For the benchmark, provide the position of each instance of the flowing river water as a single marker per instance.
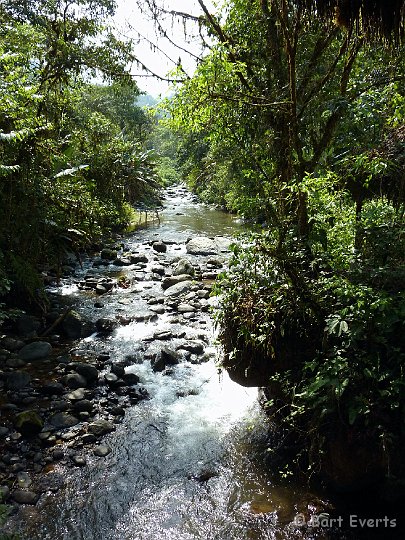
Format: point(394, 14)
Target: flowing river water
point(186, 463)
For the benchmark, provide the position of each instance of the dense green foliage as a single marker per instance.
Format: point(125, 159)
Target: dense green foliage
point(72, 153)
point(298, 125)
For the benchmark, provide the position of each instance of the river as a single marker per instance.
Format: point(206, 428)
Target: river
point(188, 462)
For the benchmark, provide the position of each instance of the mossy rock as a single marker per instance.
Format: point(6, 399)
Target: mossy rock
point(28, 423)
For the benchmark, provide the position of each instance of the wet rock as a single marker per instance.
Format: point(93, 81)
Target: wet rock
point(130, 378)
point(100, 427)
point(88, 371)
point(165, 357)
point(108, 254)
point(75, 380)
point(102, 450)
point(159, 246)
point(183, 267)
point(179, 289)
point(89, 438)
point(174, 280)
point(75, 326)
point(17, 380)
point(35, 351)
point(63, 420)
point(84, 405)
point(196, 347)
point(22, 496)
point(118, 370)
point(122, 261)
point(3, 431)
point(77, 394)
point(28, 423)
point(111, 379)
point(79, 461)
point(137, 258)
point(106, 326)
point(52, 389)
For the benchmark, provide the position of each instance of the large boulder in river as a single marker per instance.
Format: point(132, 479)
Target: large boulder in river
point(35, 351)
point(183, 267)
point(201, 245)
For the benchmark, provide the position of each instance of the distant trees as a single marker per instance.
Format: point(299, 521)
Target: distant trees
point(71, 152)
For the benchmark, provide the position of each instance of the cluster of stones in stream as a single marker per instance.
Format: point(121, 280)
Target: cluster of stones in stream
point(60, 418)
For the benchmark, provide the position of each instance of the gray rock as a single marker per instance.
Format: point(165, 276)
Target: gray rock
point(136, 258)
point(173, 280)
point(3, 431)
point(88, 371)
point(22, 496)
point(179, 289)
point(35, 350)
point(75, 380)
point(17, 380)
point(202, 245)
point(111, 379)
point(77, 394)
point(159, 246)
point(100, 427)
point(183, 267)
point(63, 420)
point(185, 308)
point(78, 460)
point(102, 450)
point(28, 423)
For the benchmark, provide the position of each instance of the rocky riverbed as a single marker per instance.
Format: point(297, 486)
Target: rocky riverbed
point(64, 385)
